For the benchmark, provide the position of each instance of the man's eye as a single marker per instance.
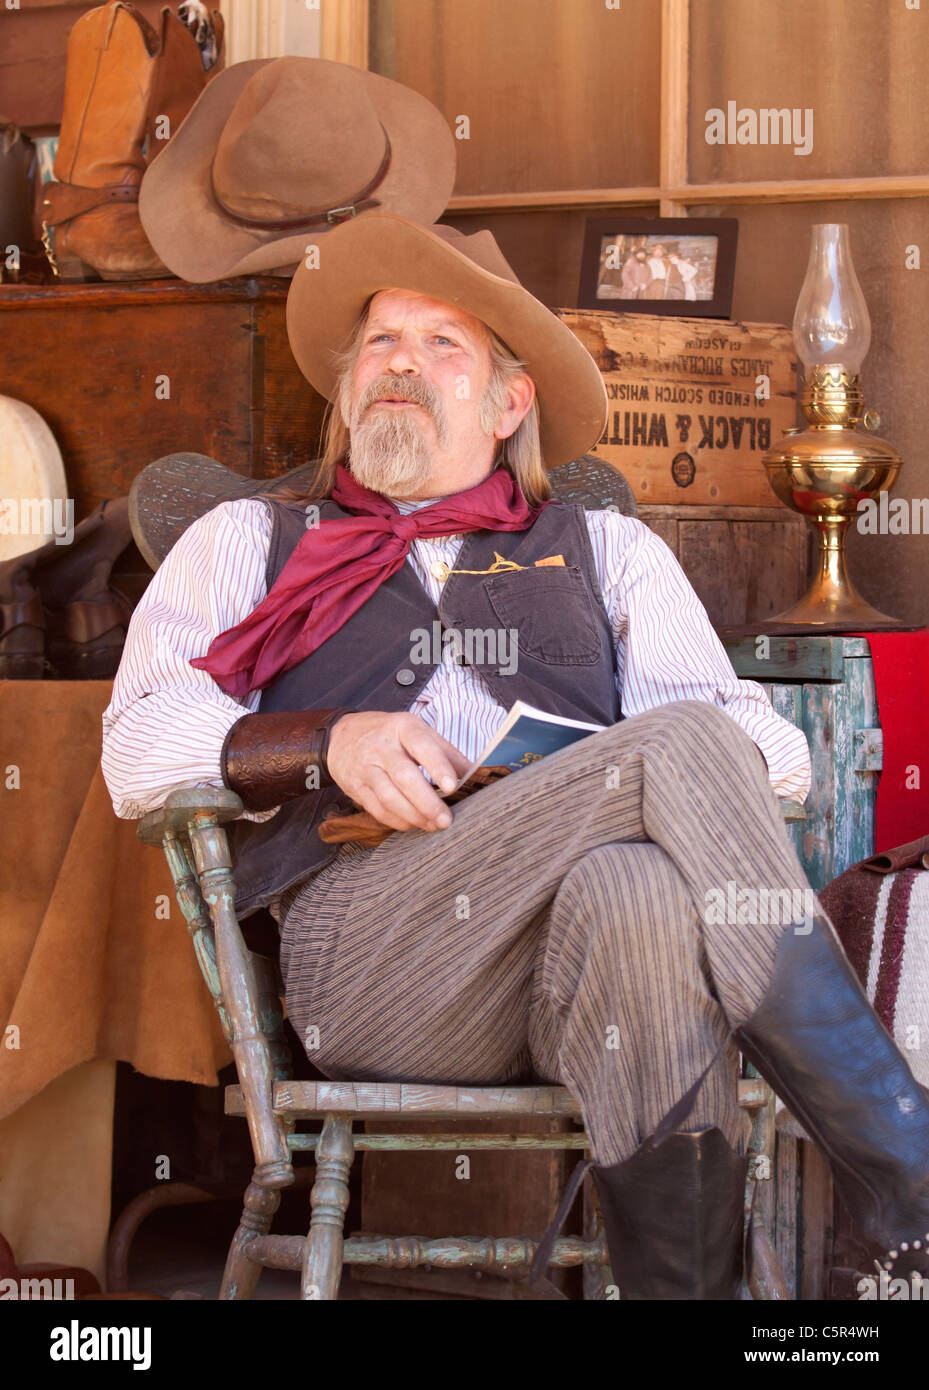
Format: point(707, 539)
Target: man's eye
point(442, 339)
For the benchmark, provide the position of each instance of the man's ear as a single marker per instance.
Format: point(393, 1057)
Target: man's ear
point(520, 395)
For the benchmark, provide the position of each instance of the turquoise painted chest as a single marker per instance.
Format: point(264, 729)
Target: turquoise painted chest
point(824, 685)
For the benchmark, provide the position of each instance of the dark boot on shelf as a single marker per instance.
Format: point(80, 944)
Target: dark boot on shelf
point(61, 615)
point(817, 1041)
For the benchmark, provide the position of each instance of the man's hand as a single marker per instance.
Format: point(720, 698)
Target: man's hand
point(374, 757)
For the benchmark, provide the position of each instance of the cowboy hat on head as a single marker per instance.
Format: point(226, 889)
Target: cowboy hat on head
point(381, 251)
point(276, 152)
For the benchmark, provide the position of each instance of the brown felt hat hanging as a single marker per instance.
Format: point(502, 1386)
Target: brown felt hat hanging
point(275, 152)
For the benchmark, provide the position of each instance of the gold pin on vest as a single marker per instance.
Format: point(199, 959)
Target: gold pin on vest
point(441, 571)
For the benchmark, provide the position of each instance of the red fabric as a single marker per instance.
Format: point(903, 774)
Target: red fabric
point(336, 567)
point(901, 677)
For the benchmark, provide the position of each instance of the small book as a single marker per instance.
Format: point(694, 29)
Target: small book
point(525, 735)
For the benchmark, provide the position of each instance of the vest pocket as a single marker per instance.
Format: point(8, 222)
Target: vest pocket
point(550, 609)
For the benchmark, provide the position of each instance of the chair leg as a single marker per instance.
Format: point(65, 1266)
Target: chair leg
point(767, 1281)
point(597, 1280)
point(241, 1274)
point(322, 1263)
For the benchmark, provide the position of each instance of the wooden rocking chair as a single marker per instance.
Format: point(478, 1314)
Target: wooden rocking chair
point(247, 991)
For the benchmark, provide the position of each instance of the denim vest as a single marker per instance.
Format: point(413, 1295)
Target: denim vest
point(565, 661)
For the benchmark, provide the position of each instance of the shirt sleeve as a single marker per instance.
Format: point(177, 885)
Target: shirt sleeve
point(166, 722)
point(666, 648)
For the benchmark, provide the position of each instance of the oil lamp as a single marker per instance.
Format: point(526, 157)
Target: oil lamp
point(825, 470)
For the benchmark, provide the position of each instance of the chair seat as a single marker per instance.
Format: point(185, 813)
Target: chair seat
point(411, 1100)
point(308, 1100)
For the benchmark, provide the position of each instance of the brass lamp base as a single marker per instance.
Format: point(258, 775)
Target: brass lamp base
point(823, 473)
point(854, 616)
point(832, 602)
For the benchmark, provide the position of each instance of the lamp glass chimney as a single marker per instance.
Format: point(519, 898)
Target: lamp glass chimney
point(832, 326)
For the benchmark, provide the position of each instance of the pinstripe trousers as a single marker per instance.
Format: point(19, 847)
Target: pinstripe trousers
point(558, 930)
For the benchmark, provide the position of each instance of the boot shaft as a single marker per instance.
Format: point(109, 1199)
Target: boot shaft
point(817, 1041)
point(110, 75)
point(179, 78)
point(122, 76)
point(675, 1218)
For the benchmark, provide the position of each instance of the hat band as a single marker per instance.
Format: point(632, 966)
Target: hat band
point(319, 216)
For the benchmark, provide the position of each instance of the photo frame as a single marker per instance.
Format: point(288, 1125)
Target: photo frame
point(659, 265)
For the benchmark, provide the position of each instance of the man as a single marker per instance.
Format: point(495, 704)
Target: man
point(555, 924)
point(681, 276)
point(658, 269)
point(635, 275)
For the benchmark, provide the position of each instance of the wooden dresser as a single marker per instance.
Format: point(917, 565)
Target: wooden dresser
point(124, 373)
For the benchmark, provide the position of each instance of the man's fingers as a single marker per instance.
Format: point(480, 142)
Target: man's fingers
point(403, 804)
point(444, 763)
point(406, 776)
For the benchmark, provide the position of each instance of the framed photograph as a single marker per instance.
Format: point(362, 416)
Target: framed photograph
point(659, 265)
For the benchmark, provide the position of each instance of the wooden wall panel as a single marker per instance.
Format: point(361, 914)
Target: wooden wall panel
point(544, 248)
point(560, 93)
point(268, 28)
point(892, 572)
point(859, 64)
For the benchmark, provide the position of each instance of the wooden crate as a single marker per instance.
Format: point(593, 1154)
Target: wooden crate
point(745, 563)
point(88, 358)
point(508, 1193)
point(686, 424)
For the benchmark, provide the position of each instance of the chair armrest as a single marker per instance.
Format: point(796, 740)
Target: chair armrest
point(244, 988)
point(184, 802)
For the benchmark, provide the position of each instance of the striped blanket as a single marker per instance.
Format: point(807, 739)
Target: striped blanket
point(880, 909)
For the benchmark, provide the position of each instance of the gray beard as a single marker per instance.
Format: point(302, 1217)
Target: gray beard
point(389, 455)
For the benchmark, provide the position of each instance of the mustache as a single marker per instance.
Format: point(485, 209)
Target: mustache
point(413, 389)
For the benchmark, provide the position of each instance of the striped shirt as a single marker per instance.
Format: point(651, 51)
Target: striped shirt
point(166, 721)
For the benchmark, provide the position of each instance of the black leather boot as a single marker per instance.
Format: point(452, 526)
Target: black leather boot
point(817, 1041)
point(674, 1215)
point(674, 1218)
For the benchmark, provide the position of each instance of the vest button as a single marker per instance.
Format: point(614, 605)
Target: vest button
point(406, 677)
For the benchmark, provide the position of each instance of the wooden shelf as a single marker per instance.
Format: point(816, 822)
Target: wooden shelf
point(554, 200)
point(104, 294)
point(773, 191)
